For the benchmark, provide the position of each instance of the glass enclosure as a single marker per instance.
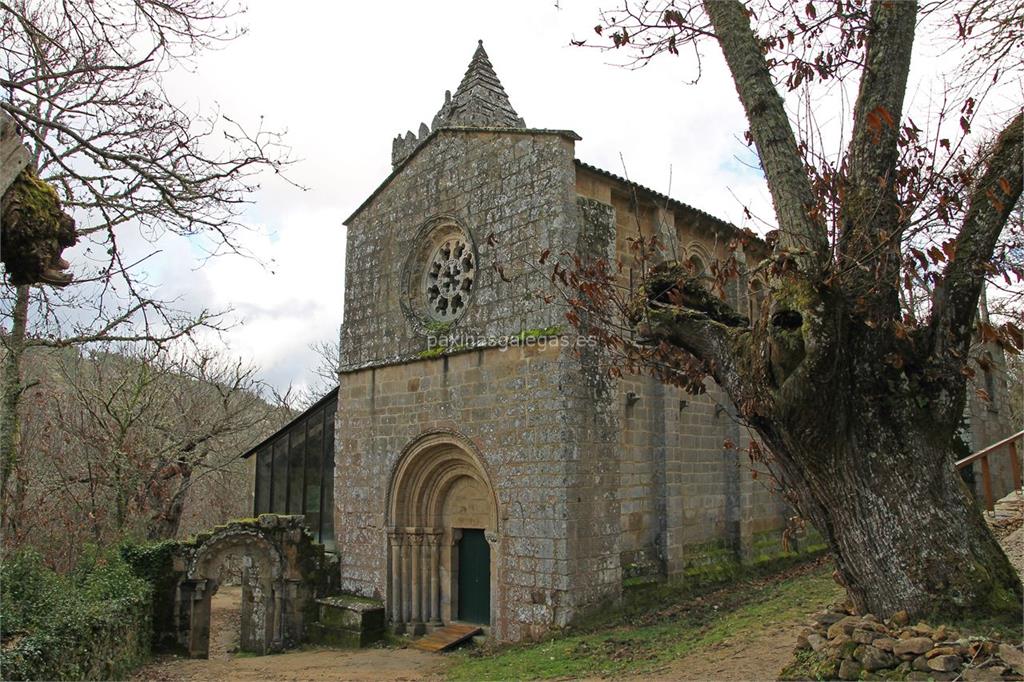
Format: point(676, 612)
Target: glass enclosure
point(295, 470)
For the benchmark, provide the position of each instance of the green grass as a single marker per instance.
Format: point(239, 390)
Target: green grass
point(644, 636)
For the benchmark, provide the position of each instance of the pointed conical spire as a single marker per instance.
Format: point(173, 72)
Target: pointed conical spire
point(480, 99)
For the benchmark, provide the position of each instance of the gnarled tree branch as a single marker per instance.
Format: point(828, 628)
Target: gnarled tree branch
point(803, 237)
point(956, 298)
point(871, 212)
point(675, 308)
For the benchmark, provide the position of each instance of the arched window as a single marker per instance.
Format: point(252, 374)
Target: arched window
point(697, 266)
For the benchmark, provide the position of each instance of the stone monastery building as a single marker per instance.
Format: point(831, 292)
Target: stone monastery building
point(512, 487)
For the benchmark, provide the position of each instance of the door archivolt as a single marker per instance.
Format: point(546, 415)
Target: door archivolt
point(439, 487)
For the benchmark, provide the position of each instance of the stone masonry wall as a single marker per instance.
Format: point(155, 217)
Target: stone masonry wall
point(512, 191)
point(685, 499)
point(510, 406)
point(540, 418)
point(988, 420)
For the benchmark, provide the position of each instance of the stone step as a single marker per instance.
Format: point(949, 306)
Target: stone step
point(342, 638)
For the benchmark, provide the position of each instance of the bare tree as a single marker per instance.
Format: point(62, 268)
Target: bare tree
point(858, 396)
point(123, 435)
point(83, 80)
point(325, 372)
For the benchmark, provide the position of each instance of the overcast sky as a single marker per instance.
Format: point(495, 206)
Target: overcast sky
point(345, 78)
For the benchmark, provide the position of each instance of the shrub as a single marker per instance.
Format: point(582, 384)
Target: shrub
point(93, 623)
point(154, 563)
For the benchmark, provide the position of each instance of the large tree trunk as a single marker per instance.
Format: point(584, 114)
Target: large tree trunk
point(166, 524)
point(877, 479)
point(860, 412)
point(862, 425)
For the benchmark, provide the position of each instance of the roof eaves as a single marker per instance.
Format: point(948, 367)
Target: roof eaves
point(322, 401)
point(662, 197)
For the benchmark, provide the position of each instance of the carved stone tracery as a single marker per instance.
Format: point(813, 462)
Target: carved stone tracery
point(449, 277)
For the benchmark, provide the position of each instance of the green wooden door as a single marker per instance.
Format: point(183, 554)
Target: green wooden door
point(474, 578)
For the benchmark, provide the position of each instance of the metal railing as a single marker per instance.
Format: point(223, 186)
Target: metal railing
point(986, 475)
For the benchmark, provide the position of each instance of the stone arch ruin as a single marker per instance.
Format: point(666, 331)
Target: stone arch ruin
point(281, 574)
point(440, 497)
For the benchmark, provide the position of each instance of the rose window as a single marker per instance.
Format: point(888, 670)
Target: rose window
point(449, 277)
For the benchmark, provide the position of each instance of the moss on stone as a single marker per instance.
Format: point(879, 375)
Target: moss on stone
point(808, 665)
point(351, 600)
point(542, 333)
point(154, 563)
point(438, 328)
point(35, 230)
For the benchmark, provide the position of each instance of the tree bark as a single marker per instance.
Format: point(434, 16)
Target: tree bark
point(10, 433)
point(858, 442)
point(877, 478)
point(871, 223)
point(997, 192)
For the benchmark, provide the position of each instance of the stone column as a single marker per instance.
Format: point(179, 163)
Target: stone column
point(417, 579)
point(434, 598)
point(396, 607)
point(493, 545)
point(199, 621)
point(406, 560)
point(452, 592)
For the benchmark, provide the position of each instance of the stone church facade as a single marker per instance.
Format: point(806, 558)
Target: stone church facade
point(514, 485)
point(571, 480)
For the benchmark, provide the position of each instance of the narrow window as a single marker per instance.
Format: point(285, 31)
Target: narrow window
point(314, 464)
point(279, 498)
point(296, 467)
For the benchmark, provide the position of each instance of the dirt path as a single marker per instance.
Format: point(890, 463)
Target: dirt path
point(225, 621)
point(305, 664)
point(751, 656)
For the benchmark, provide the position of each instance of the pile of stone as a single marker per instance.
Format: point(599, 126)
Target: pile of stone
point(864, 647)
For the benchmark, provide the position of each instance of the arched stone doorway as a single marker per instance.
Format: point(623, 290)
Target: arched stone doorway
point(280, 573)
point(261, 573)
point(443, 531)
